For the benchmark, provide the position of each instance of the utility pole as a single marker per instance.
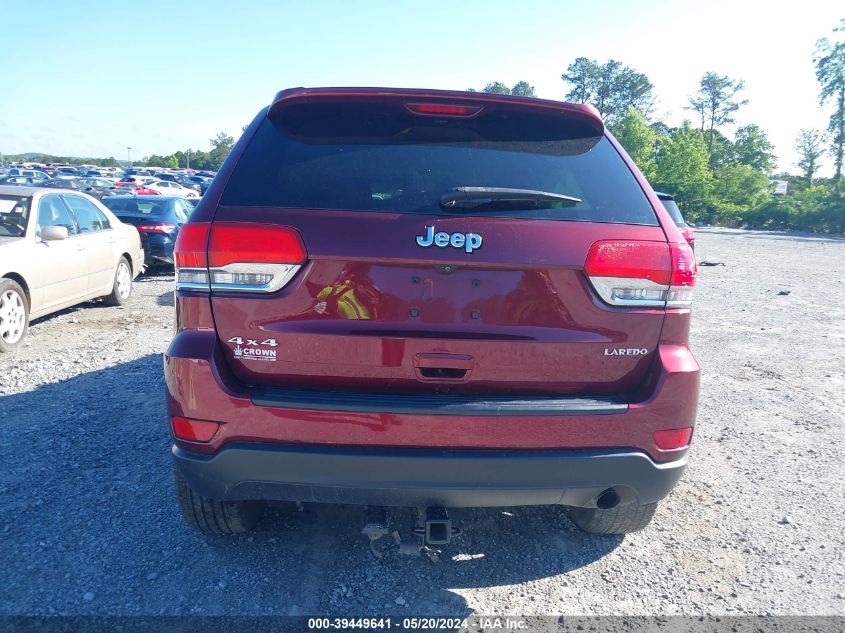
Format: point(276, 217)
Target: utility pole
point(188, 166)
point(129, 156)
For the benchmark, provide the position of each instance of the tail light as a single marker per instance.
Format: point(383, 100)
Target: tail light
point(161, 227)
point(237, 256)
point(689, 235)
point(642, 274)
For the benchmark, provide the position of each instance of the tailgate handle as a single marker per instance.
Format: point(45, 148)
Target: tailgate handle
point(443, 367)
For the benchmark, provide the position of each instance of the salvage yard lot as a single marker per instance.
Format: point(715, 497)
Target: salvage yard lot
point(89, 525)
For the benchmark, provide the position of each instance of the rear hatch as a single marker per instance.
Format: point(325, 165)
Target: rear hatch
point(150, 215)
point(412, 283)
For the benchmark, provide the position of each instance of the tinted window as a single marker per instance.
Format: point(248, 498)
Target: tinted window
point(53, 212)
point(89, 218)
point(363, 158)
point(14, 213)
point(182, 210)
point(131, 206)
point(674, 211)
point(61, 184)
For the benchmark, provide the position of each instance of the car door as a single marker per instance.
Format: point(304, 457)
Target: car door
point(98, 239)
point(60, 274)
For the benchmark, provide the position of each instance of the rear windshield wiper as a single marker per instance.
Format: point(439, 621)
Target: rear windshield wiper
point(498, 197)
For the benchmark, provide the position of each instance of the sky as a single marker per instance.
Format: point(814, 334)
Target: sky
point(91, 78)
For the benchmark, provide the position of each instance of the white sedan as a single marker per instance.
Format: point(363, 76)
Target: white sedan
point(59, 248)
point(167, 188)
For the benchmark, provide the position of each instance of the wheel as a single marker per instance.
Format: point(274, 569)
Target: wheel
point(122, 286)
point(619, 520)
point(210, 516)
point(14, 315)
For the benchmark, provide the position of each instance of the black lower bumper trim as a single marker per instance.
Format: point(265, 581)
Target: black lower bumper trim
point(423, 477)
point(435, 404)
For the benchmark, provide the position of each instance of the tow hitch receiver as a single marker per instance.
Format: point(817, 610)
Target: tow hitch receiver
point(431, 527)
point(438, 527)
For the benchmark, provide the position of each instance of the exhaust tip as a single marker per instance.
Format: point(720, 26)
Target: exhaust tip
point(608, 499)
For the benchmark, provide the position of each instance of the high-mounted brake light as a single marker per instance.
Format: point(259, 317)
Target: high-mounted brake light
point(241, 257)
point(443, 109)
point(637, 273)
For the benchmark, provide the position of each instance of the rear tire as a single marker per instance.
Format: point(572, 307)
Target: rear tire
point(122, 285)
point(210, 516)
point(14, 315)
point(619, 520)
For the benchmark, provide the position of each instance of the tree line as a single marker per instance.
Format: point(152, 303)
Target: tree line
point(211, 160)
point(718, 178)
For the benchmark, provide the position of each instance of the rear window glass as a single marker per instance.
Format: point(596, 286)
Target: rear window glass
point(674, 211)
point(14, 213)
point(370, 158)
point(134, 206)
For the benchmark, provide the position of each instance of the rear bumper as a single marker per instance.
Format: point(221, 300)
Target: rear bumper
point(423, 477)
point(159, 251)
point(200, 386)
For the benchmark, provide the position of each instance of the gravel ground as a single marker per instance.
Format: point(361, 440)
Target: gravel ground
point(88, 523)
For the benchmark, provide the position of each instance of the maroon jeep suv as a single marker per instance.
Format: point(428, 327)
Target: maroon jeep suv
point(430, 299)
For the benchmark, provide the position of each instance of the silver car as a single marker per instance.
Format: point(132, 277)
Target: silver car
point(59, 248)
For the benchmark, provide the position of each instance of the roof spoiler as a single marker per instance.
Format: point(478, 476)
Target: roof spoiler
point(583, 112)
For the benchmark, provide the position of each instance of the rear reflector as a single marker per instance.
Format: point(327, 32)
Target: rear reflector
point(193, 430)
point(443, 109)
point(637, 273)
point(672, 438)
point(242, 257)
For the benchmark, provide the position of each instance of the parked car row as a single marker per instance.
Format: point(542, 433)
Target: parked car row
point(71, 238)
point(103, 186)
point(59, 248)
point(160, 187)
point(180, 180)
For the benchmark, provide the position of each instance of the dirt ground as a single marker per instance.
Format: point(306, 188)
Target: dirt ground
point(88, 523)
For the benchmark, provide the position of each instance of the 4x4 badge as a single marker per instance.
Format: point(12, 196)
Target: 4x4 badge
point(467, 241)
